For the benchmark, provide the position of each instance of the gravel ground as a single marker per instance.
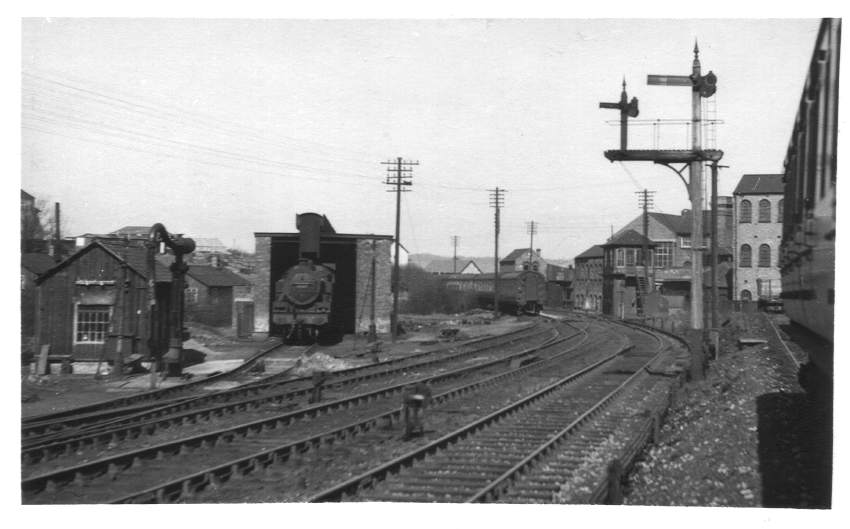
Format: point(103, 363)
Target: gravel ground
point(746, 436)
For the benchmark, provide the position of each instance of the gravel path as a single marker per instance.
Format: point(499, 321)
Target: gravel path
point(745, 436)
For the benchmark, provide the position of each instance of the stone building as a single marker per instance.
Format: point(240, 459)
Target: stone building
point(758, 203)
point(351, 256)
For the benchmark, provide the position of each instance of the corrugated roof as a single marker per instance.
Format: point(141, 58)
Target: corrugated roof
point(37, 263)
point(216, 277)
point(592, 252)
point(760, 184)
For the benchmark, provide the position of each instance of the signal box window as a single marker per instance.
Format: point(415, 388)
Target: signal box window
point(92, 323)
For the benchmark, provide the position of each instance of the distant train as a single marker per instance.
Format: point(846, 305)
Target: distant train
point(303, 295)
point(519, 292)
point(807, 253)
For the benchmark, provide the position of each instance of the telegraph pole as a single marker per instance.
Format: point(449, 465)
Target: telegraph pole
point(373, 329)
point(531, 229)
point(645, 202)
point(455, 239)
point(497, 201)
point(399, 173)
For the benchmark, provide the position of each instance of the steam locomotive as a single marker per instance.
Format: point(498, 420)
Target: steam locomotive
point(807, 253)
point(304, 294)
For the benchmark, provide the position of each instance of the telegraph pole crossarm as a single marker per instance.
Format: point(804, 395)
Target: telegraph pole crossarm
point(403, 172)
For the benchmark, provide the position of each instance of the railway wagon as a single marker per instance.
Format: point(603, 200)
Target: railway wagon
point(519, 292)
point(807, 252)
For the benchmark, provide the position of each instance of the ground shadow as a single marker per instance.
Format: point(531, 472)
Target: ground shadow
point(795, 450)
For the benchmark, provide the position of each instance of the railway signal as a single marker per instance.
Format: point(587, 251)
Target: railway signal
point(701, 86)
point(627, 109)
point(497, 201)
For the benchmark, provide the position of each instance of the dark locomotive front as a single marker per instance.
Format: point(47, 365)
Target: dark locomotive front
point(303, 296)
point(302, 303)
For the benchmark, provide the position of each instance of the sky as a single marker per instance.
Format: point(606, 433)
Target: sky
point(223, 128)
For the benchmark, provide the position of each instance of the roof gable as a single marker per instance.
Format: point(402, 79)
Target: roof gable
point(134, 256)
point(760, 184)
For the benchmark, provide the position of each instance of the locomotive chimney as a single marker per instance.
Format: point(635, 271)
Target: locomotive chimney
point(311, 226)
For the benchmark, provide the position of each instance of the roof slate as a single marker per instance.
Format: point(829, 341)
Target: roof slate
point(760, 184)
point(593, 251)
point(216, 277)
point(629, 238)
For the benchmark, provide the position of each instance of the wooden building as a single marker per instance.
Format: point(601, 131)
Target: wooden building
point(83, 311)
point(211, 293)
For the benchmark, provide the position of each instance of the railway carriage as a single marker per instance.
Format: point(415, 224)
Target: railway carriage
point(807, 253)
point(519, 292)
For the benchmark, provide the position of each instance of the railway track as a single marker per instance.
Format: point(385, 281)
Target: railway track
point(306, 432)
point(484, 461)
point(257, 398)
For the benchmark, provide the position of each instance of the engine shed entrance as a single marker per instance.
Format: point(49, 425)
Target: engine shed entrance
point(351, 256)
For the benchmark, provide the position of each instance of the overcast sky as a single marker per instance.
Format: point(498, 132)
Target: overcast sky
point(221, 128)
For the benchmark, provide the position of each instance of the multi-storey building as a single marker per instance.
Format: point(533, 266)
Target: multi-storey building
point(587, 282)
point(758, 203)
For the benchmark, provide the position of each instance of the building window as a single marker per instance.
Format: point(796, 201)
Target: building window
point(192, 295)
point(746, 211)
point(746, 295)
point(780, 209)
point(92, 323)
point(764, 256)
point(621, 257)
point(664, 255)
point(746, 258)
point(764, 210)
point(685, 241)
point(630, 256)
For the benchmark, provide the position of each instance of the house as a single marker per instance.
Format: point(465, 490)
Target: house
point(523, 259)
point(83, 311)
point(587, 282)
point(471, 268)
point(758, 235)
point(218, 297)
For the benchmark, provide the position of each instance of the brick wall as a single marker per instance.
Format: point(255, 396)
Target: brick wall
point(755, 233)
point(262, 285)
point(383, 285)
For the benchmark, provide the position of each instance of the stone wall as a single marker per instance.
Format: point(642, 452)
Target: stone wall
point(383, 285)
point(262, 285)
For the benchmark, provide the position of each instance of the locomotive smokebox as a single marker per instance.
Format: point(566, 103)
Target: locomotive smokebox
point(310, 227)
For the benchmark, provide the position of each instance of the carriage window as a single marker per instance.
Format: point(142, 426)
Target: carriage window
point(92, 323)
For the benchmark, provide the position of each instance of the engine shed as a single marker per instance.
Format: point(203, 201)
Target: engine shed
point(351, 256)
